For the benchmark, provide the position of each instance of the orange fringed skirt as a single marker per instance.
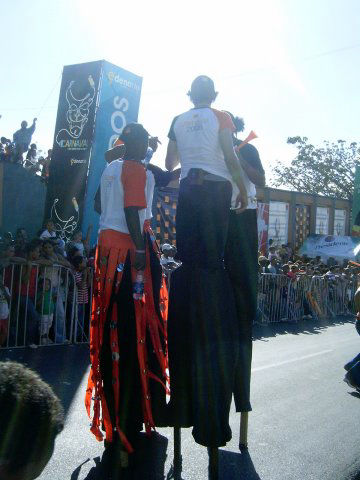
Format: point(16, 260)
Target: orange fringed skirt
point(128, 341)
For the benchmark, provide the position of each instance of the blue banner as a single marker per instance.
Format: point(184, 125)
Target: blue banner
point(119, 101)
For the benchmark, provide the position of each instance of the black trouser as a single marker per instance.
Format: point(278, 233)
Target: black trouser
point(202, 325)
point(241, 263)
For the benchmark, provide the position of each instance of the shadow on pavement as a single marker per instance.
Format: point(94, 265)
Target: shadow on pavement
point(309, 327)
point(236, 466)
point(148, 462)
point(63, 366)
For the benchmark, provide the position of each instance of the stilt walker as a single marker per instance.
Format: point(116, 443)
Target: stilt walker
point(202, 325)
point(127, 381)
point(241, 262)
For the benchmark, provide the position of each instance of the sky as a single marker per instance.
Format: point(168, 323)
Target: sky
point(288, 67)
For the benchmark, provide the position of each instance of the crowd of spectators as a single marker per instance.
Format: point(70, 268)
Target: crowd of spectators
point(292, 287)
point(35, 280)
point(21, 151)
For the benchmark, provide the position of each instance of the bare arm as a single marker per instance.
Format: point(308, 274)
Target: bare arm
point(233, 164)
point(251, 164)
point(133, 224)
point(172, 156)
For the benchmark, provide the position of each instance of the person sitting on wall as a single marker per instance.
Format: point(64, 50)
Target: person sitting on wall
point(31, 417)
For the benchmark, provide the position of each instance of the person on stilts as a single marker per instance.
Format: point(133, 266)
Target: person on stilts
point(241, 261)
point(127, 380)
point(203, 333)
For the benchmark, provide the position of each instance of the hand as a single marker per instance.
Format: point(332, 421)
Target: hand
point(241, 203)
point(140, 261)
point(153, 143)
point(35, 120)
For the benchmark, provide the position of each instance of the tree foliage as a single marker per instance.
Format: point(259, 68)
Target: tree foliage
point(326, 170)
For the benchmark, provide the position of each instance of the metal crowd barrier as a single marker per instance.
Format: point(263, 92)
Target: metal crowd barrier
point(281, 299)
point(45, 309)
point(38, 310)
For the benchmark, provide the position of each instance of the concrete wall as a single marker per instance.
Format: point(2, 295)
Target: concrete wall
point(22, 199)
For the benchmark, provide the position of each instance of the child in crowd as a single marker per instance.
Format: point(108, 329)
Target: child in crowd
point(81, 275)
point(31, 417)
point(81, 245)
point(49, 232)
point(45, 306)
point(4, 313)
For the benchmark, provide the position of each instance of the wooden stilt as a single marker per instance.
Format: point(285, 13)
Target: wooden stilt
point(213, 463)
point(244, 421)
point(177, 454)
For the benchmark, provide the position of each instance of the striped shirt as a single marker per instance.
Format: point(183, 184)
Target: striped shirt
point(82, 288)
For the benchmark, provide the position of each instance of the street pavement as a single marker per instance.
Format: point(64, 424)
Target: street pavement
point(304, 425)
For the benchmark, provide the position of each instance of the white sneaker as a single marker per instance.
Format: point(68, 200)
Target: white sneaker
point(33, 346)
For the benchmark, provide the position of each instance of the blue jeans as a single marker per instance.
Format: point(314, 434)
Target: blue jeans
point(28, 311)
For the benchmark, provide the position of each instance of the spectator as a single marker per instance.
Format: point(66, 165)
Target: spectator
point(7, 253)
point(21, 238)
point(4, 314)
point(22, 139)
point(31, 159)
point(79, 243)
point(46, 166)
point(45, 307)
point(31, 417)
point(263, 263)
point(54, 275)
point(49, 230)
point(273, 267)
point(81, 275)
point(272, 253)
point(28, 292)
point(6, 149)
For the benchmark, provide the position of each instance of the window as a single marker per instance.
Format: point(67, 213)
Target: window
point(322, 221)
point(339, 222)
point(278, 222)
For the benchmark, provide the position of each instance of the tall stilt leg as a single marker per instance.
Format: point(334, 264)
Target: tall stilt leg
point(213, 463)
point(177, 453)
point(244, 421)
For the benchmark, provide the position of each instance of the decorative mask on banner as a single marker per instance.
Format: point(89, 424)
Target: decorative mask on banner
point(65, 228)
point(78, 111)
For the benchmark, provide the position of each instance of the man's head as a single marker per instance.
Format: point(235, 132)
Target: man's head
point(33, 146)
point(31, 416)
point(21, 235)
point(4, 140)
point(285, 269)
point(8, 250)
point(237, 121)
point(33, 249)
point(272, 249)
point(49, 225)
point(136, 141)
point(263, 261)
point(202, 91)
point(273, 262)
point(24, 124)
point(49, 152)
